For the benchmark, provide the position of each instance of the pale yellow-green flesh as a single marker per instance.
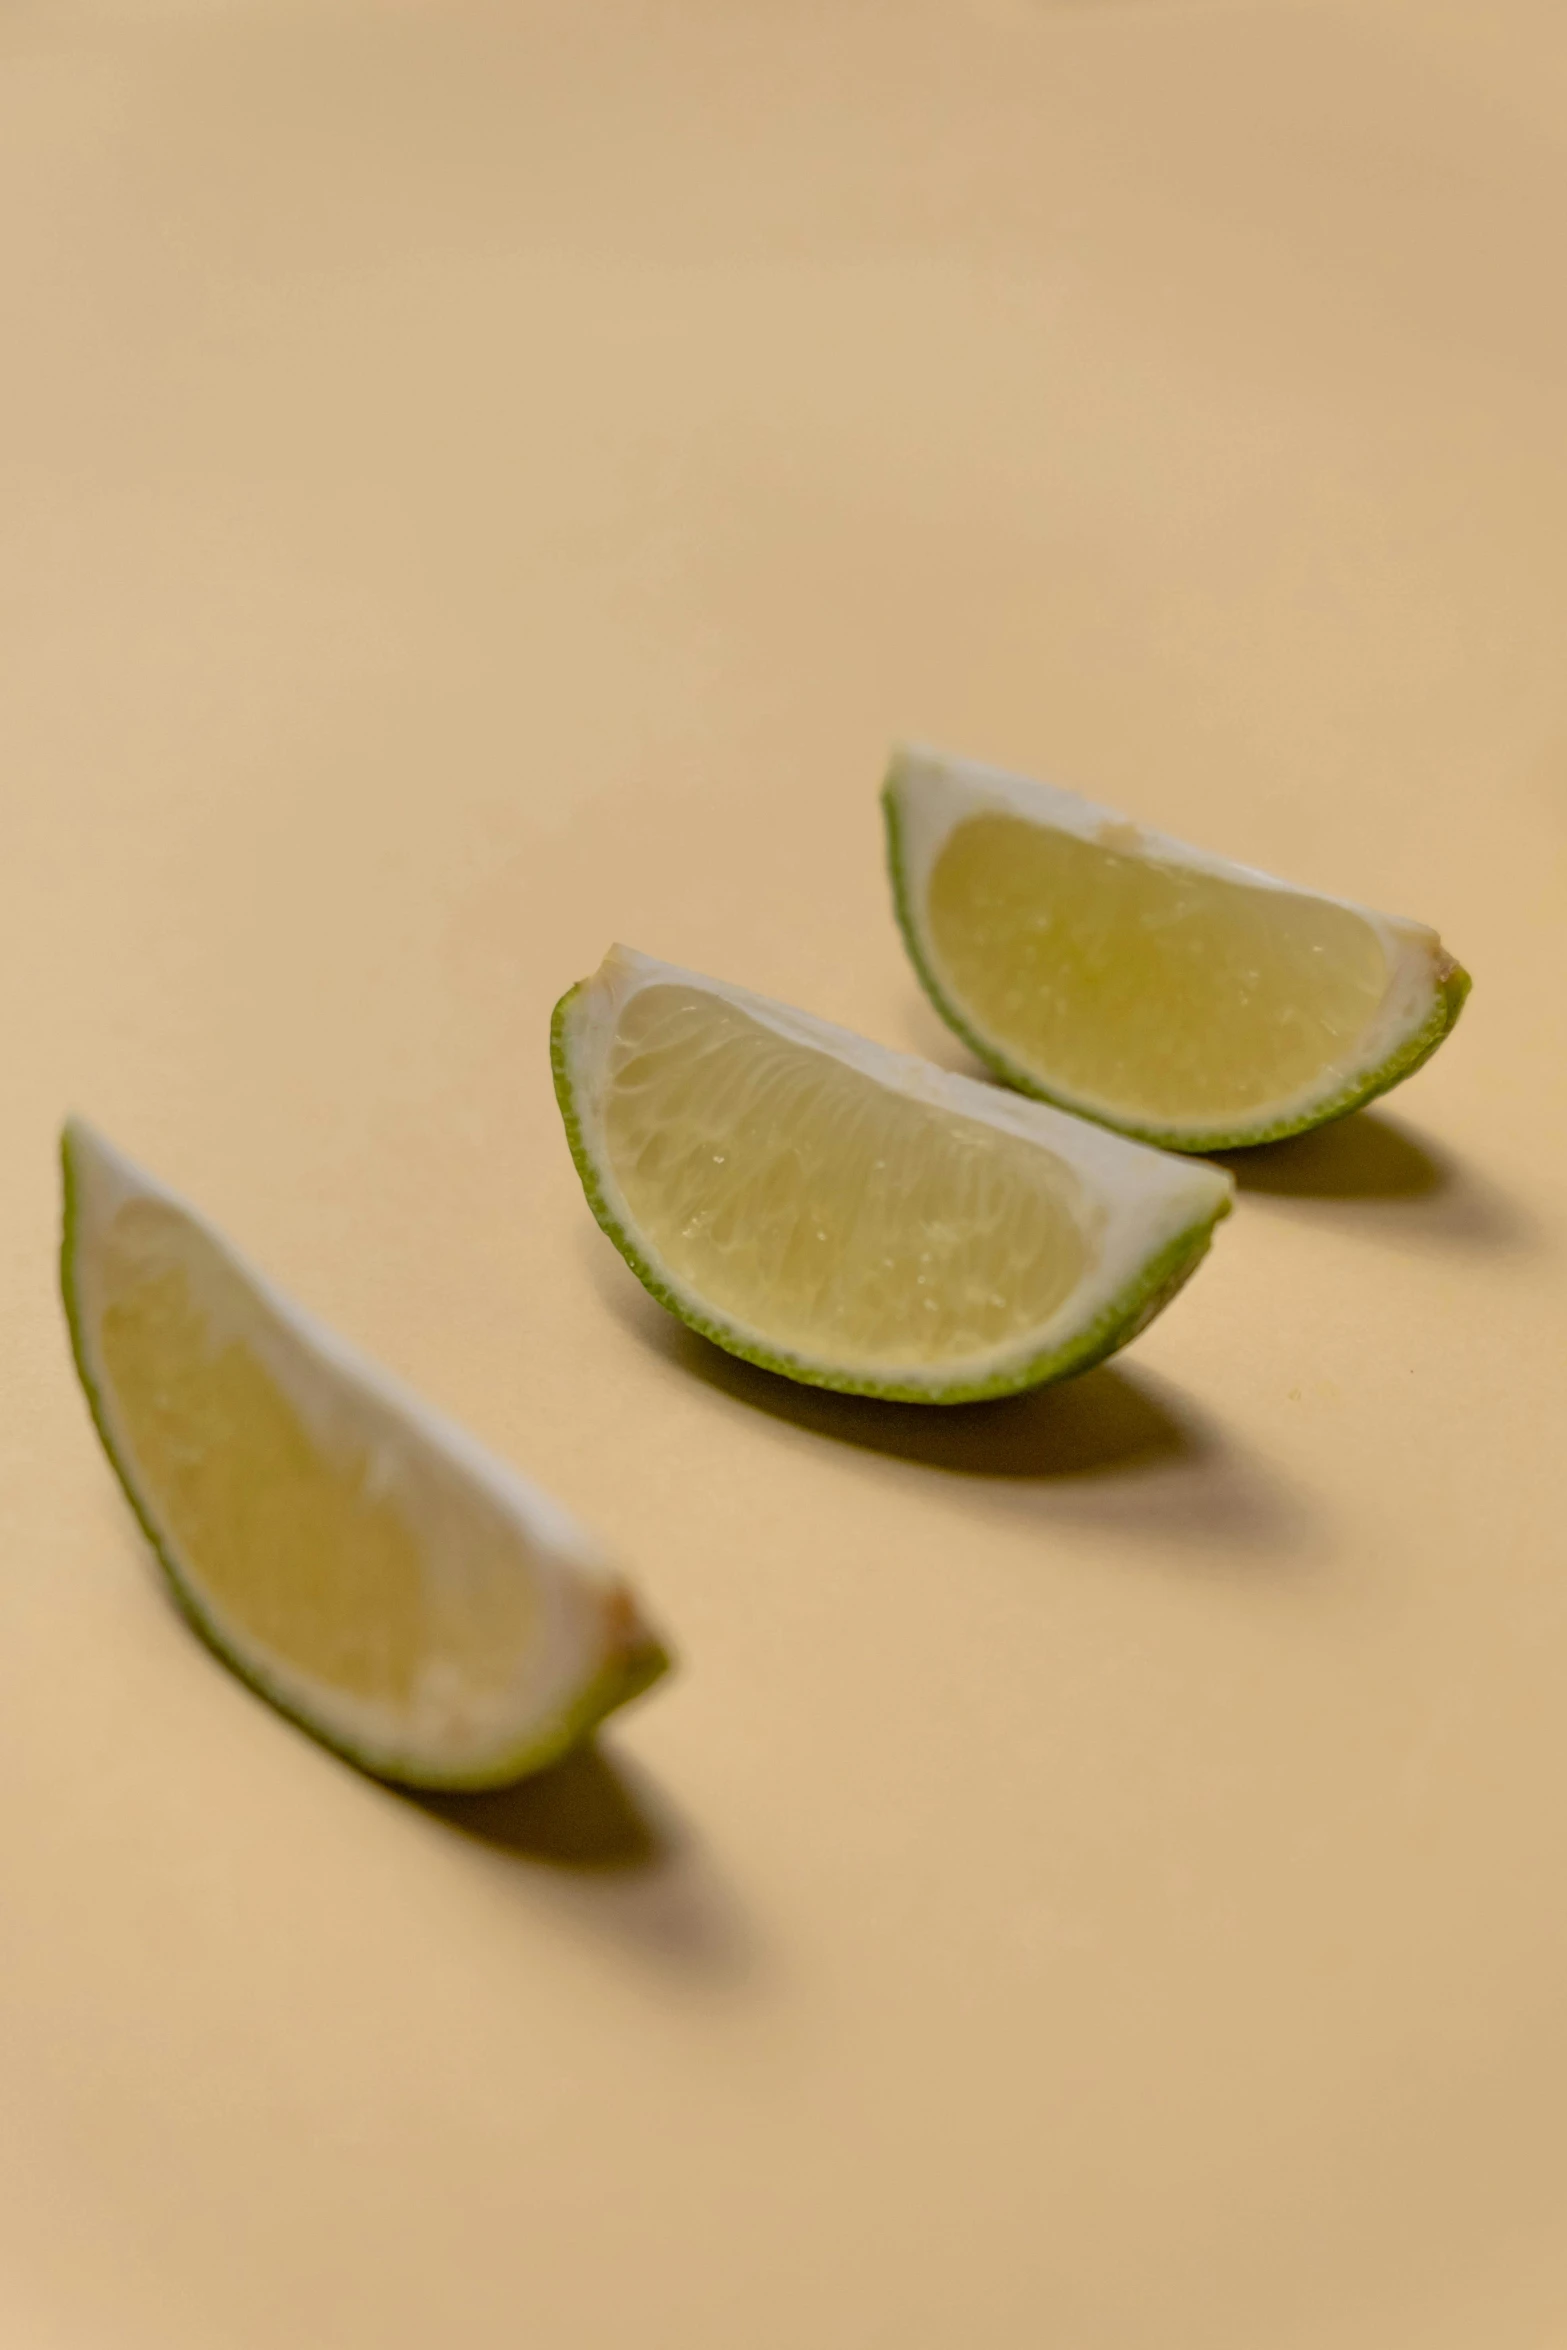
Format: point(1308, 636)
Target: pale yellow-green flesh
point(843, 1222)
point(288, 1535)
point(1154, 991)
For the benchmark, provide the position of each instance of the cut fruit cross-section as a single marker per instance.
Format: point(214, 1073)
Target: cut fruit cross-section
point(1122, 975)
point(853, 1217)
point(362, 1564)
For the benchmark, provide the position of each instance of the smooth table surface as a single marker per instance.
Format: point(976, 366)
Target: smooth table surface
point(477, 482)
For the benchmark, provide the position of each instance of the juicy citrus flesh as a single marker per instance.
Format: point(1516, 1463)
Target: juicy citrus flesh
point(1154, 990)
point(845, 1222)
point(301, 1535)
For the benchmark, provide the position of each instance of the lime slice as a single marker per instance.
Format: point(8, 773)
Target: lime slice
point(364, 1566)
point(1120, 974)
point(853, 1217)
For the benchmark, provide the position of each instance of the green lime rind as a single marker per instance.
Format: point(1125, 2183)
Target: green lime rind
point(623, 1678)
point(1131, 1311)
point(1453, 986)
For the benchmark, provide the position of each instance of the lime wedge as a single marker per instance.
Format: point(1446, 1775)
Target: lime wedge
point(367, 1568)
point(853, 1217)
point(1120, 974)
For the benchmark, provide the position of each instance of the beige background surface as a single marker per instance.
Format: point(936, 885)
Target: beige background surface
point(477, 482)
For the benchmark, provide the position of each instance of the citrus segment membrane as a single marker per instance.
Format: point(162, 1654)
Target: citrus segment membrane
point(795, 1194)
